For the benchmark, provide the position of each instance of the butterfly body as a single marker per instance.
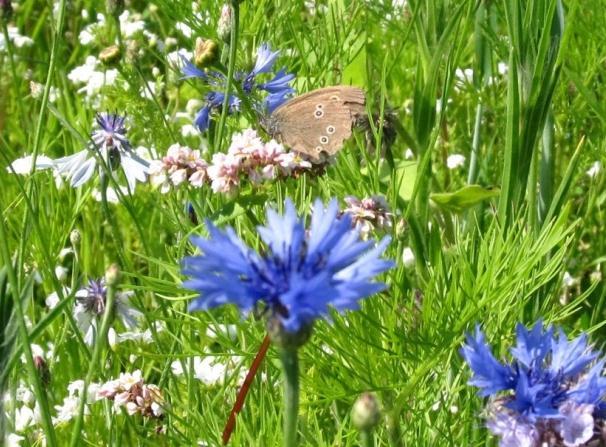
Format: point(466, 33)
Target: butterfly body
point(318, 122)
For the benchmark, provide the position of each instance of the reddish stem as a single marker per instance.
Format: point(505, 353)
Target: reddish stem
point(252, 372)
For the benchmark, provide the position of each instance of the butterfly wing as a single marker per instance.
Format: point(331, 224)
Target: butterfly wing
point(319, 121)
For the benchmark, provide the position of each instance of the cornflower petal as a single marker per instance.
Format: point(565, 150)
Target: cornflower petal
point(265, 59)
point(296, 284)
point(488, 373)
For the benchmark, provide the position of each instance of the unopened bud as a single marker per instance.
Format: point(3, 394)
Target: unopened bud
point(42, 369)
point(61, 273)
point(366, 413)
point(75, 237)
point(225, 23)
point(6, 9)
point(112, 275)
point(114, 7)
point(205, 52)
point(288, 340)
point(110, 55)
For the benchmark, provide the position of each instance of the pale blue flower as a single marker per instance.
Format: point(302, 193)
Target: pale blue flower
point(552, 385)
point(112, 145)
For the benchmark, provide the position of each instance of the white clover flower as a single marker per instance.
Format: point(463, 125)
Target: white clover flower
point(18, 40)
point(24, 418)
point(189, 130)
point(594, 170)
point(455, 161)
point(222, 330)
point(130, 24)
point(68, 410)
point(14, 440)
point(175, 58)
point(408, 257)
point(464, 77)
point(184, 29)
point(92, 79)
point(24, 395)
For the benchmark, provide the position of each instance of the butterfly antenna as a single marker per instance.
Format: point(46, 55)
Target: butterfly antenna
point(252, 372)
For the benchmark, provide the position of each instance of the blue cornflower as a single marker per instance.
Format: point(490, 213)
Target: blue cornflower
point(112, 145)
point(552, 384)
point(278, 88)
point(301, 275)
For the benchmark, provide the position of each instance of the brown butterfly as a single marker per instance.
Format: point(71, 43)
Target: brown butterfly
point(318, 122)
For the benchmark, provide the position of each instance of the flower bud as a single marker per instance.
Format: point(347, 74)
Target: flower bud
point(6, 9)
point(43, 370)
point(110, 55)
point(225, 23)
point(366, 413)
point(61, 273)
point(205, 52)
point(288, 340)
point(112, 275)
point(75, 238)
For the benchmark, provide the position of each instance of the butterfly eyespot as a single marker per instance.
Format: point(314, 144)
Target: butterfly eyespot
point(330, 130)
point(319, 149)
point(334, 98)
point(319, 106)
point(319, 113)
point(324, 139)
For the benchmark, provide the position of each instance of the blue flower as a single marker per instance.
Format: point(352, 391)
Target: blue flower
point(278, 88)
point(303, 273)
point(112, 145)
point(551, 384)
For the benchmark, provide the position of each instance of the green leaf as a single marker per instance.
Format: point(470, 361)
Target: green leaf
point(464, 198)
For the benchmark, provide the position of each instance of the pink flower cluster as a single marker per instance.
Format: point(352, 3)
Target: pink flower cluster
point(247, 159)
point(130, 391)
point(179, 165)
point(368, 214)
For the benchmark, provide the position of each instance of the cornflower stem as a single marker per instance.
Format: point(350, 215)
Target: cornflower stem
point(290, 363)
point(233, 49)
point(93, 366)
point(32, 372)
point(393, 429)
point(366, 438)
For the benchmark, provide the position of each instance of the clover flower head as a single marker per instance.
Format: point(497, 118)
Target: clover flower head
point(369, 213)
point(300, 276)
point(277, 88)
point(552, 385)
point(181, 164)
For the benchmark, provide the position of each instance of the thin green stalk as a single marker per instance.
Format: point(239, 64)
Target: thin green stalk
point(290, 363)
point(93, 367)
point(233, 50)
point(367, 438)
point(11, 57)
point(38, 133)
point(476, 143)
point(33, 374)
point(546, 168)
